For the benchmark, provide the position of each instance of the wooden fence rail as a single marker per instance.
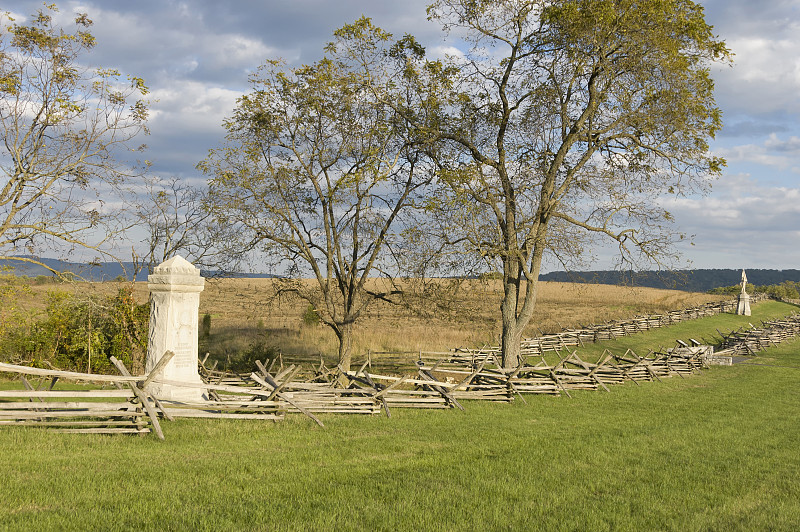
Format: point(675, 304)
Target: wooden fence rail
point(444, 379)
point(127, 409)
point(448, 381)
point(748, 342)
point(571, 338)
point(443, 382)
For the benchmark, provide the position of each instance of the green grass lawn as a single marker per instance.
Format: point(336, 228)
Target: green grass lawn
point(714, 451)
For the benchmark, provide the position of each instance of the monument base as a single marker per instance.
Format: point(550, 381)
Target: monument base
point(743, 308)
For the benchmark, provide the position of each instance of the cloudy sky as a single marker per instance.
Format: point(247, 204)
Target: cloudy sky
point(196, 55)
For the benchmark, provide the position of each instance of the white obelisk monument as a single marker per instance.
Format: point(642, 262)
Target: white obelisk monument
point(743, 308)
point(175, 287)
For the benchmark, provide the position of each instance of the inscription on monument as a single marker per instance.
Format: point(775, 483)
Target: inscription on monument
point(184, 355)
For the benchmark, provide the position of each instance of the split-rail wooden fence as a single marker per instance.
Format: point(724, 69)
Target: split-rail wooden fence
point(126, 408)
point(749, 341)
point(441, 382)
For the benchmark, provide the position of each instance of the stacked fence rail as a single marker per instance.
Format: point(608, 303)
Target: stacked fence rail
point(443, 381)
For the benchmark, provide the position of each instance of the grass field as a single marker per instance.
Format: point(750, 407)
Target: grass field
point(246, 312)
point(714, 451)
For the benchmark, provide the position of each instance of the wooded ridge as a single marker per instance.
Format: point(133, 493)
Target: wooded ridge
point(700, 280)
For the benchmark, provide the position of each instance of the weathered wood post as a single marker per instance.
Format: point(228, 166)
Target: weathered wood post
point(175, 287)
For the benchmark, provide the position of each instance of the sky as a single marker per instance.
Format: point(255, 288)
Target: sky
point(196, 57)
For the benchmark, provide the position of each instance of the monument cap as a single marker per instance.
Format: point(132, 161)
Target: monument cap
point(176, 273)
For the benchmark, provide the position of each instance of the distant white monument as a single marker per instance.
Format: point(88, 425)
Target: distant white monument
point(175, 287)
point(743, 307)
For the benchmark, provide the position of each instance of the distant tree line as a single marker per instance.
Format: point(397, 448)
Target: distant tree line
point(701, 280)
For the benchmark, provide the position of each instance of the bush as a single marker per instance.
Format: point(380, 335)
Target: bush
point(784, 290)
point(205, 326)
point(79, 332)
point(310, 316)
point(726, 290)
point(258, 350)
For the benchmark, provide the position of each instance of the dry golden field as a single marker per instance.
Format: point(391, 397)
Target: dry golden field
point(245, 311)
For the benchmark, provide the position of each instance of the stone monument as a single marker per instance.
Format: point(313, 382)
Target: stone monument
point(175, 287)
point(743, 307)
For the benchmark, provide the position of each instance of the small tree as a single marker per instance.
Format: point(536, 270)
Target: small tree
point(563, 123)
point(63, 127)
point(317, 174)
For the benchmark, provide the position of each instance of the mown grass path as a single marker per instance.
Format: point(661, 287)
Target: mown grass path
point(716, 451)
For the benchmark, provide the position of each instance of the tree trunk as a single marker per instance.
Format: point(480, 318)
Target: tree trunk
point(511, 336)
point(517, 309)
point(345, 335)
point(511, 342)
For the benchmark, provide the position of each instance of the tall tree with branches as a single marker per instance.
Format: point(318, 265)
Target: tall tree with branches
point(561, 124)
point(317, 173)
point(64, 129)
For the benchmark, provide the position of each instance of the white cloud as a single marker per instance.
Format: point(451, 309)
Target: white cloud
point(773, 152)
point(186, 120)
point(231, 49)
point(763, 60)
point(442, 51)
point(791, 146)
point(741, 222)
point(176, 41)
point(17, 17)
point(198, 104)
point(765, 77)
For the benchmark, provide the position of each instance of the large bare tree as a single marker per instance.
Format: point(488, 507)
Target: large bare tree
point(65, 130)
point(317, 173)
point(562, 123)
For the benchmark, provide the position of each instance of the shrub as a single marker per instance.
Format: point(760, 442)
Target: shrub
point(205, 326)
point(79, 332)
point(258, 350)
point(310, 316)
point(726, 290)
point(784, 290)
